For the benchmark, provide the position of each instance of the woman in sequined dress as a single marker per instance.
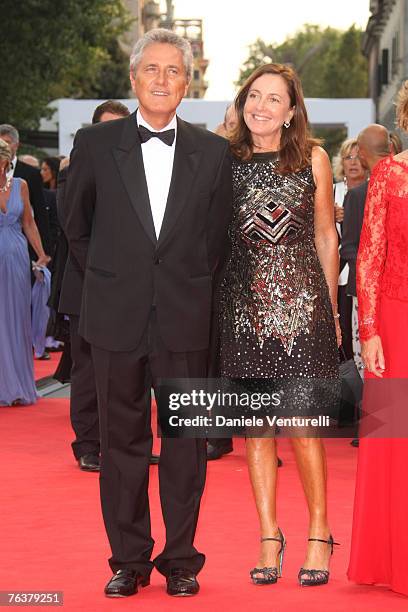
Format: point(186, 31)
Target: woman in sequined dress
point(279, 298)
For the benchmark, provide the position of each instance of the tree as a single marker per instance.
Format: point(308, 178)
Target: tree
point(305, 51)
point(56, 50)
point(113, 81)
point(329, 62)
point(346, 70)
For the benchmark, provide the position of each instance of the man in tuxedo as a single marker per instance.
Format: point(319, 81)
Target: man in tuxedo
point(35, 187)
point(373, 145)
point(83, 400)
point(149, 205)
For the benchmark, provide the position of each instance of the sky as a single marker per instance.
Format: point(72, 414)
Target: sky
point(231, 26)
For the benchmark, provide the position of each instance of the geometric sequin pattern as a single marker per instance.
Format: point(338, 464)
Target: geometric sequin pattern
point(275, 305)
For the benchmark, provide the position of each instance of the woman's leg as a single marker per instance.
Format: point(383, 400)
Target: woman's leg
point(262, 467)
point(311, 461)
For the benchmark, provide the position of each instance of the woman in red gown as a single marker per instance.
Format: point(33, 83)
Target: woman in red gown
point(379, 551)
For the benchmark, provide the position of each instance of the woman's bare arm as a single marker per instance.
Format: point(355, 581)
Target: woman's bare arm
point(30, 227)
point(326, 240)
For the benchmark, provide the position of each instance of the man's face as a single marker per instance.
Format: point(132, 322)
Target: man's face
point(160, 82)
point(231, 119)
point(13, 145)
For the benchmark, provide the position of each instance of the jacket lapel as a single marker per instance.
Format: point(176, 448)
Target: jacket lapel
point(129, 159)
point(185, 166)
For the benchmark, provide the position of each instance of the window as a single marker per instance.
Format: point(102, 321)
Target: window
point(395, 54)
point(196, 76)
point(379, 79)
point(196, 94)
point(385, 68)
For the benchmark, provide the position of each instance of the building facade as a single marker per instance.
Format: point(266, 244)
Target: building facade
point(192, 29)
point(386, 47)
point(146, 15)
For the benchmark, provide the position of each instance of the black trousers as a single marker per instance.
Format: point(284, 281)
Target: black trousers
point(345, 306)
point(124, 381)
point(83, 405)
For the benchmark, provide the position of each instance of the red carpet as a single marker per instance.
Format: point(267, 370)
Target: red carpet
point(52, 536)
point(46, 368)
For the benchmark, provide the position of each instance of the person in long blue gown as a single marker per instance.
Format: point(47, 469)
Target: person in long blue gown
point(17, 384)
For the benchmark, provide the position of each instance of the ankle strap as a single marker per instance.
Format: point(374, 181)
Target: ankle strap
point(329, 541)
point(268, 539)
point(279, 538)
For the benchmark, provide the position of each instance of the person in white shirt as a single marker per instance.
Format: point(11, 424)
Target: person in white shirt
point(148, 202)
point(349, 173)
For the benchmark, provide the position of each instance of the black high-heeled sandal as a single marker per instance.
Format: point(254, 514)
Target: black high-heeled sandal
point(270, 575)
point(316, 577)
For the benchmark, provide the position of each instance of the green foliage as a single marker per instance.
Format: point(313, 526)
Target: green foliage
point(329, 62)
point(57, 48)
point(331, 138)
point(346, 71)
point(113, 81)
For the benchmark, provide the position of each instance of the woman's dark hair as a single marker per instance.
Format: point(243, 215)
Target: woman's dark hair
point(296, 141)
point(53, 163)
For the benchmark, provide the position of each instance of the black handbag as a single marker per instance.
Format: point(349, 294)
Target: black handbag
point(351, 390)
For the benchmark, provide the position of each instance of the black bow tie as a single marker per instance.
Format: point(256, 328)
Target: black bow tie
point(167, 137)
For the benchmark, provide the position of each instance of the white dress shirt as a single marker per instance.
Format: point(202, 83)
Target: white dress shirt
point(340, 190)
point(158, 160)
point(10, 172)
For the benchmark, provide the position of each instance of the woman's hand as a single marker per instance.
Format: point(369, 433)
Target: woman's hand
point(338, 332)
point(373, 356)
point(43, 260)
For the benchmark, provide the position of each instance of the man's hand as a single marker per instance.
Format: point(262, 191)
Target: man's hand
point(338, 213)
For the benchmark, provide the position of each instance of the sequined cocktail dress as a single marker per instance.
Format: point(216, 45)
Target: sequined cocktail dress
point(276, 315)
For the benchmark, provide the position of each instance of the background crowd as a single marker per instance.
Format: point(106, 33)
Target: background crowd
point(54, 319)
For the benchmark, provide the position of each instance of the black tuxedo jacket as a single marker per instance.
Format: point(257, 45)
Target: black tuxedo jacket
point(108, 222)
point(37, 201)
point(72, 275)
point(354, 203)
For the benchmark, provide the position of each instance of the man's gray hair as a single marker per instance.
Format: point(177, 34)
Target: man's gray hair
point(9, 130)
point(161, 35)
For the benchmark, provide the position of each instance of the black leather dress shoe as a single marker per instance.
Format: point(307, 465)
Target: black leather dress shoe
point(89, 463)
point(154, 459)
point(125, 582)
point(217, 448)
point(182, 583)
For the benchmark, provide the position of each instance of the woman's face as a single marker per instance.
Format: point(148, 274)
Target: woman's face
point(267, 106)
point(46, 173)
point(353, 170)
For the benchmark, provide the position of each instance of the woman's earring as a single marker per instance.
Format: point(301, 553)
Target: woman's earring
point(286, 124)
